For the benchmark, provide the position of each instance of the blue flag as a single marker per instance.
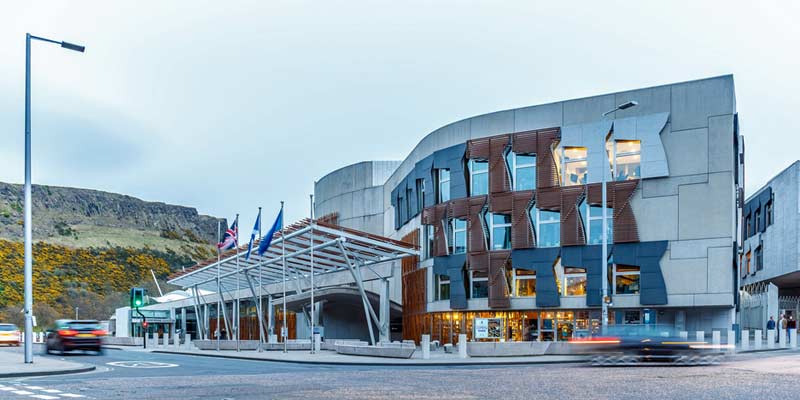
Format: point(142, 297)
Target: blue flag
point(256, 229)
point(267, 240)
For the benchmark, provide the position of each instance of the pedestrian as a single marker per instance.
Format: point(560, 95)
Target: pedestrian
point(782, 326)
point(771, 324)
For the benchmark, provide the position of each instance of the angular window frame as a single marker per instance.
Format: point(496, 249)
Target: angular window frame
point(612, 150)
point(442, 185)
point(619, 271)
point(587, 218)
point(535, 216)
point(492, 225)
point(513, 165)
point(455, 229)
point(523, 276)
point(573, 273)
point(568, 161)
point(484, 280)
point(441, 282)
point(474, 175)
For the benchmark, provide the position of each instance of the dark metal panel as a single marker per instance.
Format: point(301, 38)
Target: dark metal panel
point(411, 185)
point(591, 258)
point(647, 256)
point(542, 261)
point(423, 169)
point(453, 266)
point(499, 294)
point(763, 198)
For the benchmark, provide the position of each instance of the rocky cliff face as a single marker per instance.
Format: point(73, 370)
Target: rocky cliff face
point(91, 218)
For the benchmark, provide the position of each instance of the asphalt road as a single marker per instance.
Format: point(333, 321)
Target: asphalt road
point(190, 377)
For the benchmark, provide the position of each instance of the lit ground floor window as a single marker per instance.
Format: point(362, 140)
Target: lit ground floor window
point(518, 326)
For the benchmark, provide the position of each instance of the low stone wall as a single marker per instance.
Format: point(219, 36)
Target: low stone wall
point(122, 341)
point(388, 350)
point(507, 349)
point(330, 344)
point(225, 344)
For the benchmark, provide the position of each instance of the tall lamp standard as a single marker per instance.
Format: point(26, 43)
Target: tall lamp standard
point(606, 299)
point(28, 307)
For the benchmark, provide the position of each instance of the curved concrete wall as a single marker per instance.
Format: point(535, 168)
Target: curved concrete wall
point(356, 193)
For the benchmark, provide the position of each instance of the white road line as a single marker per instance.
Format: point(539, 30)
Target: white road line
point(51, 390)
point(34, 387)
point(21, 392)
point(7, 388)
point(71, 395)
point(44, 397)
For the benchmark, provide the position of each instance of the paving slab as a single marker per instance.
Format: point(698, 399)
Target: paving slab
point(12, 365)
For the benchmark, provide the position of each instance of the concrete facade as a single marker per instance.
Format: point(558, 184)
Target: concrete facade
point(688, 198)
point(776, 237)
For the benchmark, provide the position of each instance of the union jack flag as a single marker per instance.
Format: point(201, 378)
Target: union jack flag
point(231, 238)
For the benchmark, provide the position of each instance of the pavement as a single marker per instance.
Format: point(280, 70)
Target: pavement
point(12, 365)
point(327, 357)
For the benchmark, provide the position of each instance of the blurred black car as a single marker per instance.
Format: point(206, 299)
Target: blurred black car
point(71, 335)
point(634, 344)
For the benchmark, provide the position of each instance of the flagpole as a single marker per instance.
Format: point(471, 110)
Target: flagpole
point(219, 294)
point(313, 306)
point(284, 328)
point(238, 295)
point(260, 303)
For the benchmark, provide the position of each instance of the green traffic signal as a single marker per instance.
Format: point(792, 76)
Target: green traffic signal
point(137, 297)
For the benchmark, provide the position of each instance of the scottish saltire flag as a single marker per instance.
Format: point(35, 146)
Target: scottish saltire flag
point(256, 231)
point(267, 239)
point(231, 236)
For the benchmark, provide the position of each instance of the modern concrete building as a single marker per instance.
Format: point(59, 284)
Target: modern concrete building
point(499, 218)
point(507, 209)
point(769, 269)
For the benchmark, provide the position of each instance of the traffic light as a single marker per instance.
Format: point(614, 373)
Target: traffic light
point(144, 324)
point(137, 297)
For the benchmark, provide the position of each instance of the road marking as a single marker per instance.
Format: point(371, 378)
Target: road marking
point(7, 388)
point(44, 397)
point(22, 392)
point(71, 395)
point(33, 387)
point(141, 364)
point(51, 390)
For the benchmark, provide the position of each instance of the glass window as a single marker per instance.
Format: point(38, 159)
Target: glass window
point(757, 222)
point(575, 166)
point(524, 283)
point(420, 194)
point(627, 159)
point(428, 240)
point(442, 286)
point(574, 281)
point(768, 210)
point(626, 279)
point(459, 240)
point(480, 285)
point(759, 259)
point(593, 223)
point(547, 227)
point(409, 210)
point(523, 170)
point(479, 177)
point(747, 265)
point(499, 226)
point(444, 185)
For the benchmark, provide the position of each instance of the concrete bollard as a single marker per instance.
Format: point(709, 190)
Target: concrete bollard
point(188, 344)
point(758, 340)
point(716, 340)
point(462, 346)
point(700, 336)
point(793, 340)
point(176, 342)
point(426, 347)
point(745, 339)
point(684, 335)
point(317, 343)
point(770, 338)
point(782, 337)
point(731, 341)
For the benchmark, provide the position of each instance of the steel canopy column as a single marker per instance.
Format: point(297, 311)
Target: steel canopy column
point(258, 310)
point(383, 311)
point(224, 313)
point(368, 311)
point(198, 318)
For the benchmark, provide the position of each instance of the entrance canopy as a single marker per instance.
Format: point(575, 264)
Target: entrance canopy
point(335, 248)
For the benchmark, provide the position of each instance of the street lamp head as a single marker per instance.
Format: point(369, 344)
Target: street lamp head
point(72, 46)
point(627, 105)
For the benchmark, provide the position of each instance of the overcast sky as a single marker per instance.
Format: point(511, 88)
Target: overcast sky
point(227, 106)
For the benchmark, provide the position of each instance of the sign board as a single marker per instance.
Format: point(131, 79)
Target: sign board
point(488, 328)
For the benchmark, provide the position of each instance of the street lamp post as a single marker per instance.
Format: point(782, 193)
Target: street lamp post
point(28, 307)
point(604, 277)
